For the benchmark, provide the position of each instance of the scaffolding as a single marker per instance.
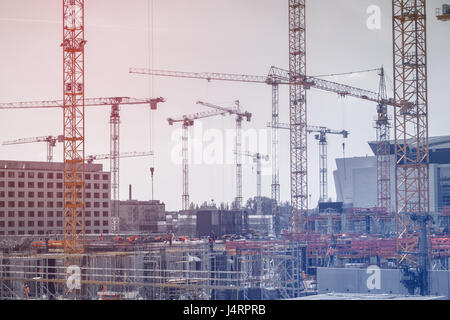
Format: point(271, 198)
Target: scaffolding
point(199, 271)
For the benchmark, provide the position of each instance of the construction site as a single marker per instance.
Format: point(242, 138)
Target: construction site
point(67, 232)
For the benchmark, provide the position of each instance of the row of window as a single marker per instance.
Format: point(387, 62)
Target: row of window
point(50, 175)
point(50, 185)
point(32, 194)
point(50, 204)
point(42, 232)
point(50, 214)
point(50, 224)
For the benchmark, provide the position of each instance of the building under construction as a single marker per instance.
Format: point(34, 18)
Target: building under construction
point(65, 234)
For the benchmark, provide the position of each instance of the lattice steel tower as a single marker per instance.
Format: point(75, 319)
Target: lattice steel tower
point(74, 134)
point(298, 119)
point(410, 124)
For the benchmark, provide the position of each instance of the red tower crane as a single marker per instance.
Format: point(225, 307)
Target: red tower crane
point(50, 140)
point(188, 121)
point(238, 143)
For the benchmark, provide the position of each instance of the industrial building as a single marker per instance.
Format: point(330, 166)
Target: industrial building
point(31, 198)
point(356, 177)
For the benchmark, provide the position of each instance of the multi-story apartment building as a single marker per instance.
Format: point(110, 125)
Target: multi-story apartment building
point(31, 198)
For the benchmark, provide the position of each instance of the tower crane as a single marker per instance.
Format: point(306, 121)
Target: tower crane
point(276, 77)
point(257, 158)
point(115, 103)
point(238, 143)
point(188, 121)
point(50, 140)
point(321, 136)
point(106, 156)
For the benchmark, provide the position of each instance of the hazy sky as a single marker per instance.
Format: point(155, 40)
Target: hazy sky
point(233, 36)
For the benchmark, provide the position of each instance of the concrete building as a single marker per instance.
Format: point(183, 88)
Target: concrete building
point(142, 216)
point(31, 198)
point(356, 178)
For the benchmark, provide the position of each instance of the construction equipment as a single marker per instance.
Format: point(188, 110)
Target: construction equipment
point(115, 103)
point(411, 134)
point(383, 150)
point(188, 121)
point(276, 77)
point(73, 125)
point(106, 156)
point(50, 140)
point(257, 158)
point(444, 14)
point(238, 144)
point(323, 155)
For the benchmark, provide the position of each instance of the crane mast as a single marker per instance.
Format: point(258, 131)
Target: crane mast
point(238, 144)
point(73, 125)
point(188, 121)
point(411, 135)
